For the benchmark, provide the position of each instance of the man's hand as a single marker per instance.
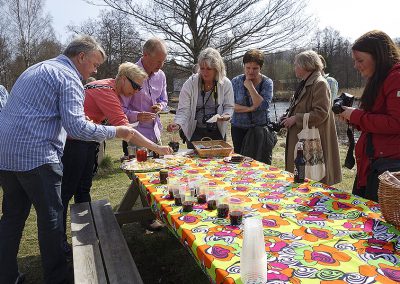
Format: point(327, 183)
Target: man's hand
point(164, 150)
point(156, 108)
point(173, 127)
point(125, 132)
point(146, 116)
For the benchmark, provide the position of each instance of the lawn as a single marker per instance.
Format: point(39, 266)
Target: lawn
point(159, 256)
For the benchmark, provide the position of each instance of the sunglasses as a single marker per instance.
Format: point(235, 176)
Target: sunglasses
point(135, 85)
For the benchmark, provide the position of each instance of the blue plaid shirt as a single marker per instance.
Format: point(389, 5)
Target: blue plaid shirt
point(46, 99)
point(261, 114)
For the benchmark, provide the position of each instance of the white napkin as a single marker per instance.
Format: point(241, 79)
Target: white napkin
point(214, 118)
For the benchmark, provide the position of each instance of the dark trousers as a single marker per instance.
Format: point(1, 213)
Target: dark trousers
point(125, 148)
point(238, 135)
point(79, 160)
point(42, 188)
point(360, 191)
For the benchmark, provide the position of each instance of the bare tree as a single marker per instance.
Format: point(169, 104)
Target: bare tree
point(118, 37)
point(5, 59)
point(231, 26)
point(48, 49)
point(28, 27)
point(337, 52)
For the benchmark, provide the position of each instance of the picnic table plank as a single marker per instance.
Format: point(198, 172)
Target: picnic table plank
point(118, 260)
point(88, 266)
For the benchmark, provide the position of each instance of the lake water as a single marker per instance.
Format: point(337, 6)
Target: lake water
point(341, 127)
point(281, 108)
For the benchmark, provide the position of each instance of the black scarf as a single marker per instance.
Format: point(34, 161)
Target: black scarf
point(300, 87)
point(297, 93)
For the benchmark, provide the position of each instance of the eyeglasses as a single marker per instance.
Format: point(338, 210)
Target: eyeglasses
point(135, 85)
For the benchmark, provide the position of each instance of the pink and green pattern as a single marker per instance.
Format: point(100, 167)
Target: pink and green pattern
point(313, 233)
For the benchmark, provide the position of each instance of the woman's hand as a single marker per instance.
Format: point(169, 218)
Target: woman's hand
point(163, 150)
point(173, 127)
point(224, 117)
point(288, 121)
point(248, 84)
point(345, 115)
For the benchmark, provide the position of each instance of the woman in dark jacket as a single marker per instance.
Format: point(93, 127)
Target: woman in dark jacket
point(253, 94)
point(377, 58)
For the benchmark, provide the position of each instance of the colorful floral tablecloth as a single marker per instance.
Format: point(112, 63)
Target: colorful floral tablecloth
point(313, 233)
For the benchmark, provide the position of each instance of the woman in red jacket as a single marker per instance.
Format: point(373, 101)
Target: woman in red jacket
point(377, 58)
point(102, 101)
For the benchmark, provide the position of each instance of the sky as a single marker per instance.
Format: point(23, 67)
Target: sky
point(351, 18)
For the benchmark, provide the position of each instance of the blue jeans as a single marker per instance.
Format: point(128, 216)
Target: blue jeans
point(42, 188)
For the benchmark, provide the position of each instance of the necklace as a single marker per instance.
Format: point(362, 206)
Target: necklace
point(208, 87)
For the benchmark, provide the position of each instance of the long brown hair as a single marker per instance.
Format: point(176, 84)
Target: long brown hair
point(385, 54)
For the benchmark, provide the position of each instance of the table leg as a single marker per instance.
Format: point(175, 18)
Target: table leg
point(125, 212)
point(130, 197)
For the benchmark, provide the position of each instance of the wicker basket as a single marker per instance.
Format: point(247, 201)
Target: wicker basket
point(212, 148)
point(389, 198)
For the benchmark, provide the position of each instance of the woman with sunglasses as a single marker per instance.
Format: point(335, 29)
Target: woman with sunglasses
point(102, 102)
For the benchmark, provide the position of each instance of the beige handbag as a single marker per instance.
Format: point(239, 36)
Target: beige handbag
point(315, 164)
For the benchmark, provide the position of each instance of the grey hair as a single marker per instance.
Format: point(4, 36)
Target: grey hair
point(131, 70)
point(211, 57)
point(153, 45)
point(309, 60)
point(85, 44)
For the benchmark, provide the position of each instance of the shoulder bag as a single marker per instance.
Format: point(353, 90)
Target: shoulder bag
point(315, 164)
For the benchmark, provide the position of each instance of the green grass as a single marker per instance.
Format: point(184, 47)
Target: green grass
point(159, 256)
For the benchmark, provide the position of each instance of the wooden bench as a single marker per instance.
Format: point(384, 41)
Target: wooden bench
point(100, 252)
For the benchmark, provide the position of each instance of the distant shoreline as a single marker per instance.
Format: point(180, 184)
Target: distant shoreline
point(284, 96)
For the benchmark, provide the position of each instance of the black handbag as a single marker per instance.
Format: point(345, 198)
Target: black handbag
point(258, 144)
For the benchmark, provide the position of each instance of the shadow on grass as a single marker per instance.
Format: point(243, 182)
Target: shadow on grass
point(31, 266)
point(161, 258)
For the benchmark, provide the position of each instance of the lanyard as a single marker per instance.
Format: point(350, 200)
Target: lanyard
point(214, 93)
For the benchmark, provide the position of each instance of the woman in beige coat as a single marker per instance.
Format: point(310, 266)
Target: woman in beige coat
point(313, 97)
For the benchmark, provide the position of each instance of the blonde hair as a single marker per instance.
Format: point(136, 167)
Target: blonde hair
point(211, 57)
point(309, 60)
point(132, 71)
